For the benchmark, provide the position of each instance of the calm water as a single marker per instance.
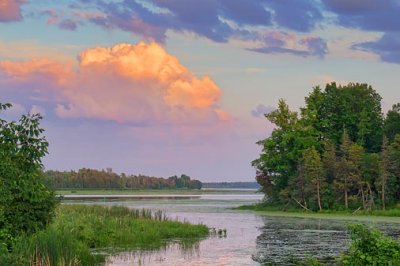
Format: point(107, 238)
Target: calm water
point(251, 239)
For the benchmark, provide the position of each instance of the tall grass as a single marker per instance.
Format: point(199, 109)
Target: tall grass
point(265, 207)
point(79, 231)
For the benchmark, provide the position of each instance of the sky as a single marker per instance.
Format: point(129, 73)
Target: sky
point(165, 87)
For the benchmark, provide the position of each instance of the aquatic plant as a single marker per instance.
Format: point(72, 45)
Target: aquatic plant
point(80, 234)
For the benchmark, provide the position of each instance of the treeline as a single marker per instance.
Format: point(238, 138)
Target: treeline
point(107, 179)
point(338, 152)
point(236, 185)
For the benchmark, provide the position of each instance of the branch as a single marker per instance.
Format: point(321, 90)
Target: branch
point(301, 205)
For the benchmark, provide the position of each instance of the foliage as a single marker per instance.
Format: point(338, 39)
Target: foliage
point(93, 179)
point(26, 204)
point(370, 247)
point(79, 229)
point(333, 154)
point(391, 126)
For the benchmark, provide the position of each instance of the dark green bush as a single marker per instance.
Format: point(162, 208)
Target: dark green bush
point(26, 204)
point(370, 247)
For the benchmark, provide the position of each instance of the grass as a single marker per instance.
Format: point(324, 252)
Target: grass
point(390, 215)
point(80, 234)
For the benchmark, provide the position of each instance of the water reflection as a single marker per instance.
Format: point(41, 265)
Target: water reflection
point(284, 240)
point(186, 251)
point(251, 239)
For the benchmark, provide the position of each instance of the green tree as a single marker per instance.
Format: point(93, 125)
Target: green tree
point(278, 162)
point(26, 204)
point(355, 107)
point(394, 164)
point(313, 172)
point(391, 126)
point(384, 162)
point(342, 182)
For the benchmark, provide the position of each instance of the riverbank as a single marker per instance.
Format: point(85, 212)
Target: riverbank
point(153, 191)
point(85, 235)
point(390, 215)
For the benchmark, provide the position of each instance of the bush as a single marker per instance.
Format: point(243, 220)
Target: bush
point(26, 204)
point(370, 247)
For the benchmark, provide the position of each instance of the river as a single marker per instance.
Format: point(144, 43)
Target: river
point(251, 239)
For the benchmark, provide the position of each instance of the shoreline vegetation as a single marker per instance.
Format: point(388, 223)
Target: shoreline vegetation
point(153, 191)
point(79, 235)
point(389, 215)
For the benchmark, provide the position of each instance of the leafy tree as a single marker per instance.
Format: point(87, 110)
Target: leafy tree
point(313, 172)
point(26, 204)
point(391, 125)
point(278, 162)
point(394, 164)
point(339, 131)
point(370, 175)
point(384, 171)
point(344, 168)
point(355, 107)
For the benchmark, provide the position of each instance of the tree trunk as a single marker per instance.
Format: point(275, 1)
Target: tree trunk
point(383, 195)
point(319, 196)
point(363, 198)
point(346, 203)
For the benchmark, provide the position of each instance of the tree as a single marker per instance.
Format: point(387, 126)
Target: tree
point(26, 204)
point(391, 126)
point(313, 172)
point(355, 107)
point(384, 162)
point(342, 183)
point(394, 163)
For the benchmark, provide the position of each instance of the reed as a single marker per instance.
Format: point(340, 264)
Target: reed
point(81, 233)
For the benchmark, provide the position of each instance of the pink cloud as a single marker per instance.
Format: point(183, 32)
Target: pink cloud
point(10, 10)
point(133, 84)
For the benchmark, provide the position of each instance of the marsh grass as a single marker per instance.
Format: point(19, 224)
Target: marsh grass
point(79, 230)
point(263, 207)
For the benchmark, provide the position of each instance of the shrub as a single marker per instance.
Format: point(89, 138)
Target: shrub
point(26, 204)
point(370, 247)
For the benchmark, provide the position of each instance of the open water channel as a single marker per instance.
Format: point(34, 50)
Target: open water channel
point(252, 239)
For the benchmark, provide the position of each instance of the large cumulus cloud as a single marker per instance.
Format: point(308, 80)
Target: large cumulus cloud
point(134, 84)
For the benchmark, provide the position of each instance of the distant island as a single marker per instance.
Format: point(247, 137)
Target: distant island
point(234, 185)
point(86, 178)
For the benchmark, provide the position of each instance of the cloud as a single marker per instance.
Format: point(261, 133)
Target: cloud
point(261, 110)
point(15, 111)
point(323, 79)
point(133, 84)
point(387, 47)
point(37, 110)
point(10, 10)
point(369, 15)
point(217, 20)
point(68, 24)
point(282, 42)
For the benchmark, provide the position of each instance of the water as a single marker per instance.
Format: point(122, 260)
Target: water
point(251, 239)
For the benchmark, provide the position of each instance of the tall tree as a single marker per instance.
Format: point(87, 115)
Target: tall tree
point(313, 172)
point(342, 182)
point(391, 125)
point(355, 107)
point(384, 162)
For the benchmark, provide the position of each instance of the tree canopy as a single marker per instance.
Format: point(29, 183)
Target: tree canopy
point(338, 151)
point(26, 204)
